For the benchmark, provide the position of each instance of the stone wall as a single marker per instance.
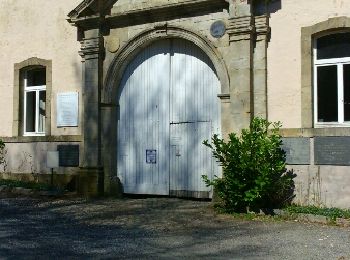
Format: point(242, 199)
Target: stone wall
point(30, 157)
point(135, 25)
point(38, 28)
point(35, 32)
point(322, 169)
point(235, 48)
point(261, 74)
point(284, 54)
point(290, 95)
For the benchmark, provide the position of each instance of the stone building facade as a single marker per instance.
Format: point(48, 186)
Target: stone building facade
point(35, 34)
point(261, 59)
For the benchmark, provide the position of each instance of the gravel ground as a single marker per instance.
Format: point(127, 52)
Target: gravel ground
point(154, 228)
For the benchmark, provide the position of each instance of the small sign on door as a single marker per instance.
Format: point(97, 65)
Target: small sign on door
point(151, 156)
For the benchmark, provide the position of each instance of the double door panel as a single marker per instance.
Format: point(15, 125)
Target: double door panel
point(167, 107)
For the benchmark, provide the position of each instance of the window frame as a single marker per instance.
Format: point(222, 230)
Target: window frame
point(339, 62)
point(308, 33)
point(36, 89)
point(18, 94)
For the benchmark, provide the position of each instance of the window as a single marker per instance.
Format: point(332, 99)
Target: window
point(34, 82)
point(332, 80)
point(32, 97)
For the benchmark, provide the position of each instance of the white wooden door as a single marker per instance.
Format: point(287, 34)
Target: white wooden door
point(143, 122)
point(167, 106)
point(194, 117)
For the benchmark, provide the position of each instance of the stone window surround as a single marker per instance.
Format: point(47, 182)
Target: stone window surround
point(18, 92)
point(36, 91)
point(339, 64)
point(308, 34)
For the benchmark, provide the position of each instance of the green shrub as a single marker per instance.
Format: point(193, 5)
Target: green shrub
point(254, 168)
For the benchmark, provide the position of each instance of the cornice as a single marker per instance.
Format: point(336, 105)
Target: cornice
point(262, 26)
point(80, 8)
point(144, 7)
point(130, 14)
point(241, 28)
point(91, 47)
point(88, 9)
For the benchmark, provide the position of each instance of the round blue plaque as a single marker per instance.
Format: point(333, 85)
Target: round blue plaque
point(218, 29)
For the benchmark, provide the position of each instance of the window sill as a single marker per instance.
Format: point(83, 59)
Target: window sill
point(34, 134)
point(339, 130)
point(325, 125)
point(46, 138)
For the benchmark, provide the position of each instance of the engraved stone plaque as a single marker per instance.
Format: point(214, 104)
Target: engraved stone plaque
point(218, 29)
point(333, 150)
point(297, 150)
point(67, 109)
point(68, 155)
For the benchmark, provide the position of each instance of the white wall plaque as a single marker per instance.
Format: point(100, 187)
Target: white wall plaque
point(52, 159)
point(67, 109)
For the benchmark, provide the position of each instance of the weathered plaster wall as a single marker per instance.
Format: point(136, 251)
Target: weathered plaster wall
point(31, 158)
point(38, 28)
point(326, 186)
point(284, 53)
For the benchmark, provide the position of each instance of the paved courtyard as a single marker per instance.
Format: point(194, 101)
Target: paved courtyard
point(154, 228)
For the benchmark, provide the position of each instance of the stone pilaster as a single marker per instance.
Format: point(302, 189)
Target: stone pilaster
point(109, 113)
point(241, 36)
point(260, 66)
point(92, 53)
point(239, 8)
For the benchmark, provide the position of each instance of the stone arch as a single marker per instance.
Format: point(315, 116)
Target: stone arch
point(130, 50)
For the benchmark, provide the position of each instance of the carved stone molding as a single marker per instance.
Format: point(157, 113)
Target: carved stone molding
point(87, 14)
point(89, 8)
point(241, 28)
point(82, 6)
point(160, 31)
point(246, 27)
point(262, 25)
point(91, 47)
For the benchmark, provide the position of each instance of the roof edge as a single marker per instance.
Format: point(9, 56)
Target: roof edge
point(92, 7)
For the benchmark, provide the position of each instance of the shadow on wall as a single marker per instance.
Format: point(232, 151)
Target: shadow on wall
point(262, 8)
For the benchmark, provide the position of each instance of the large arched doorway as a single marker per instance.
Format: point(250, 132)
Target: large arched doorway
point(168, 105)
